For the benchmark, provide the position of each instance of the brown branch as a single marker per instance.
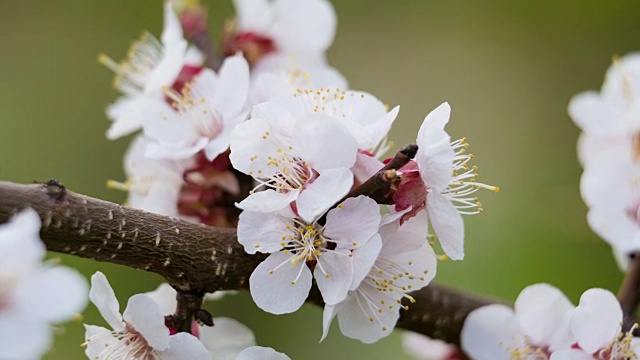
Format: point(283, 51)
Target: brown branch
point(194, 259)
point(629, 293)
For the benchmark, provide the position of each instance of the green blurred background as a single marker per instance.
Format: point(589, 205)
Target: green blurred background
point(507, 68)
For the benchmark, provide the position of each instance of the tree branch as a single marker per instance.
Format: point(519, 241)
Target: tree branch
point(194, 259)
point(629, 293)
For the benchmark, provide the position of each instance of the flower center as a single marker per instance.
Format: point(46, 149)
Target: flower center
point(124, 344)
point(193, 107)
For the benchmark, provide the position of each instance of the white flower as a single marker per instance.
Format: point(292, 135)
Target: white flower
point(539, 325)
point(300, 28)
point(153, 185)
point(228, 339)
point(151, 65)
point(441, 181)
point(205, 113)
point(424, 348)
point(139, 333)
point(32, 295)
point(595, 323)
point(404, 263)
point(305, 159)
point(340, 253)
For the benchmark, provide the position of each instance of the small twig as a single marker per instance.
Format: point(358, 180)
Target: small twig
point(194, 24)
point(629, 293)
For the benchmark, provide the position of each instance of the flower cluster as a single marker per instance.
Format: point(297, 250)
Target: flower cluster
point(608, 150)
point(545, 325)
point(274, 142)
point(141, 333)
point(33, 294)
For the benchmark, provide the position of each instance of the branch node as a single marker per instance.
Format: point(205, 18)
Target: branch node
point(55, 189)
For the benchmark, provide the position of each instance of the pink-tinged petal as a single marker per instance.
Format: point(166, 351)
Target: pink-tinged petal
point(594, 115)
point(268, 200)
point(304, 26)
point(489, 331)
point(324, 142)
point(328, 314)
point(363, 259)
point(226, 339)
point(422, 347)
point(365, 167)
point(250, 148)
point(571, 354)
point(334, 274)
point(447, 224)
point(616, 227)
point(263, 232)
point(331, 186)
point(353, 222)
point(233, 86)
point(261, 353)
point(97, 340)
point(279, 286)
point(165, 297)
point(254, 15)
point(435, 159)
point(126, 115)
point(103, 297)
point(20, 244)
point(371, 326)
point(543, 313)
point(184, 346)
point(145, 316)
point(54, 294)
point(418, 224)
point(596, 321)
point(22, 337)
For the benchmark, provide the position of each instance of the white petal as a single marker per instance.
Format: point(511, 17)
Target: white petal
point(233, 87)
point(162, 199)
point(571, 354)
point(22, 337)
point(357, 324)
point(165, 297)
point(184, 346)
point(489, 331)
point(328, 314)
point(161, 122)
point(145, 316)
point(20, 244)
point(227, 338)
point(409, 254)
point(249, 150)
point(331, 186)
point(363, 259)
point(103, 297)
point(277, 290)
point(324, 142)
point(168, 69)
point(277, 116)
point(254, 15)
point(365, 167)
point(268, 201)
point(304, 26)
point(596, 320)
point(615, 227)
point(53, 294)
point(262, 232)
point(447, 224)
point(354, 221)
point(97, 340)
point(172, 30)
point(334, 275)
point(126, 115)
point(175, 151)
point(543, 313)
point(423, 347)
point(261, 353)
point(435, 159)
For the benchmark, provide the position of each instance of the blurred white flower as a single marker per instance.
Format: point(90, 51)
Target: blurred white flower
point(151, 66)
point(152, 184)
point(202, 116)
point(404, 263)
point(608, 150)
point(421, 347)
point(33, 295)
point(300, 28)
point(139, 333)
point(340, 253)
